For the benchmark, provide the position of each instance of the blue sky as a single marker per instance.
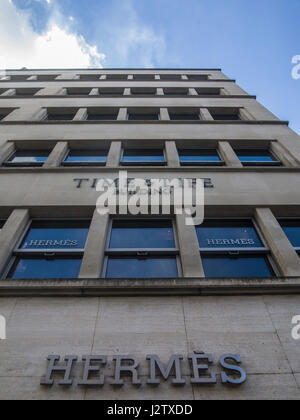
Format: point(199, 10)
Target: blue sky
point(252, 41)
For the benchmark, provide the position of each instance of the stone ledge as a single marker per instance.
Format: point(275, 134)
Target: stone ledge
point(150, 287)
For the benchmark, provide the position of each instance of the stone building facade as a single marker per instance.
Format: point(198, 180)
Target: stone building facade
point(74, 282)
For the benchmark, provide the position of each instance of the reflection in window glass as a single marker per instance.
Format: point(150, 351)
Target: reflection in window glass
point(154, 267)
point(56, 235)
point(154, 156)
point(292, 230)
point(242, 266)
point(142, 234)
point(86, 157)
point(228, 234)
point(198, 156)
point(2, 222)
point(41, 268)
point(28, 157)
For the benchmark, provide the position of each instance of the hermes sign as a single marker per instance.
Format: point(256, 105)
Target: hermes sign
point(93, 372)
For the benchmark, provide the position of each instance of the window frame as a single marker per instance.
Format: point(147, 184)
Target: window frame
point(221, 162)
point(46, 253)
point(144, 252)
point(82, 163)
point(244, 251)
point(9, 163)
point(149, 163)
point(275, 162)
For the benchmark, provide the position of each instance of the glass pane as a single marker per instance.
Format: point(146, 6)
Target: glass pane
point(245, 266)
point(200, 155)
point(185, 117)
point(97, 156)
point(292, 231)
point(142, 234)
point(142, 117)
point(101, 117)
point(255, 156)
point(228, 234)
point(38, 268)
point(137, 268)
point(56, 235)
point(2, 222)
point(143, 155)
point(32, 156)
point(226, 117)
point(60, 117)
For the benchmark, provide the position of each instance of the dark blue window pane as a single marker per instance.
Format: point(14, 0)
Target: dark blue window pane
point(102, 117)
point(184, 117)
point(2, 223)
point(35, 268)
point(29, 157)
point(255, 156)
point(244, 266)
point(226, 117)
point(142, 234)
point(228, 234)
point(143, 117)
point(60, 117)
point(145, 268)
point(56, 235)
point(77, 156)
point(200, 155)
point(143, 155)
point(292, 231)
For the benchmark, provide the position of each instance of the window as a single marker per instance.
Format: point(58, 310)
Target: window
point(50, 249)
point(141, 249)
point(3, 91)
point(186, 114)
point(19, 77)
point(85, 158)
point(102, 114)
point(257, 157)
point(170, 77)
point(225, 114)
point(176, 91)
point(208, 91)
point(143, 115)
point(143, 157)
point(47, 77)
point(291, 228)
point(26, 92)
point(199, 157)
point(143, 77)
point(27, 158)
point(78, 91)
point(197, 77)
point(143, 91)
point(89, 77)
point(233, 248)
point(64, 114)
point(116, 77)
point(111, 91)
point(4, 112)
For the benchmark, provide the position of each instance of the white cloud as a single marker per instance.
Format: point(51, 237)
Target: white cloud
point(20, 46)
